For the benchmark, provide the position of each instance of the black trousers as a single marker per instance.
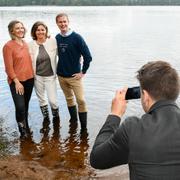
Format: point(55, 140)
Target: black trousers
point(21, 102)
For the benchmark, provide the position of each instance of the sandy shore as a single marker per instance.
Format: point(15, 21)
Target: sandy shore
point(15, 168)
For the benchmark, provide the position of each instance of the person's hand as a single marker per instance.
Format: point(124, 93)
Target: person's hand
point(78, 75)
point(118, 106)
point(19, 88)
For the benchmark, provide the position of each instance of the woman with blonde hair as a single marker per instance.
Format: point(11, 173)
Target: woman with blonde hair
point(18, 67)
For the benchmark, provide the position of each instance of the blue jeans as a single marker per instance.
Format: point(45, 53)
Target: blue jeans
point(21, 102)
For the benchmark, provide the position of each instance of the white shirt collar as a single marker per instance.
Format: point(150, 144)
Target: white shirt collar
point(67, 33)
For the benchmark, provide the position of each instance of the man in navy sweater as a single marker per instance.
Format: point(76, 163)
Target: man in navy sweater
point(71, 47)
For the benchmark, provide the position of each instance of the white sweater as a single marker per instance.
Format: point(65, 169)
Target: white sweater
point(50, 46)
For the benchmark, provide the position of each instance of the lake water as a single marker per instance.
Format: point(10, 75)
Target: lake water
point(121, 40)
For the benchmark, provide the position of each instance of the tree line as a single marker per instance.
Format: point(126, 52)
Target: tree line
point(87, 2)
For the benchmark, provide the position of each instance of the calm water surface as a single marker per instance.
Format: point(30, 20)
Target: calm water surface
point(121, 40)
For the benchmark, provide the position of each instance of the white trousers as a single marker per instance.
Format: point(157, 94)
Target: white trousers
point(46, 90)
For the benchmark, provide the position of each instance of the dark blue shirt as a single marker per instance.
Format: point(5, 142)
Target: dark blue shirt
point(70, 50)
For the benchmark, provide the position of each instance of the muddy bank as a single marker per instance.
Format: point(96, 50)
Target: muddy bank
point(15, 168)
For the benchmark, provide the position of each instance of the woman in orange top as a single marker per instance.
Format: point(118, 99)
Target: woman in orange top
point(18, 66)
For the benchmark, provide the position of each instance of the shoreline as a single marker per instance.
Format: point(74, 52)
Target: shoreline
point(15, 167)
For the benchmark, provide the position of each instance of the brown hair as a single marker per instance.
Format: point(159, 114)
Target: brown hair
point(11, 28)
point(61, 15)
point(160, 80)
point(34, 29)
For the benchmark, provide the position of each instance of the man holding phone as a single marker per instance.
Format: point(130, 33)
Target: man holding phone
point(150, 144)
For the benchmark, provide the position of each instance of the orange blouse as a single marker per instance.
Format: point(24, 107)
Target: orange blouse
point(17, 60)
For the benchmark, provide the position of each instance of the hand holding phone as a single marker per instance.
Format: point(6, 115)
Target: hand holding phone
point(118, 106)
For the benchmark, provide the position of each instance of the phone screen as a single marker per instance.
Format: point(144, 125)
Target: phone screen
point(133, 93)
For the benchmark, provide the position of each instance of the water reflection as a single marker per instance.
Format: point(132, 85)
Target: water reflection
point(76, 147)
point(4, 142)
point(66, 156)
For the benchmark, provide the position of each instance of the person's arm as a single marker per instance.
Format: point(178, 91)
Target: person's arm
point(111, 145)
point(87, 58)
point(9, 67)
point(8, 62)
point(19, 87)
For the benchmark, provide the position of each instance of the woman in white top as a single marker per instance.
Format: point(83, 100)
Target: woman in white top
point(43, 52)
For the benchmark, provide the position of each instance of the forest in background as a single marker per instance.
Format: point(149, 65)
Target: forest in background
point(88, 2)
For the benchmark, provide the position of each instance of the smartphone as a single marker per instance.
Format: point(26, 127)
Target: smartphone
point(133, 93)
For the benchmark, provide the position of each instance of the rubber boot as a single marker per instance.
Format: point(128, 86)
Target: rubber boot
point(56, 127)
point(22, 130)
point(45, 126)
point(73, 114)
point(27, 125)
point(45, 112)
point(55, 113)
point(83, 121)
point(73, 129)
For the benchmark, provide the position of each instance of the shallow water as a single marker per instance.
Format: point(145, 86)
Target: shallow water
point(121, 40)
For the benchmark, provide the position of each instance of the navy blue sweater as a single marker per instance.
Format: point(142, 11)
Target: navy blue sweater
point(70, 49)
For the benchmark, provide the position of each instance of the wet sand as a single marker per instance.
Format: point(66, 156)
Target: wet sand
point(15, 168)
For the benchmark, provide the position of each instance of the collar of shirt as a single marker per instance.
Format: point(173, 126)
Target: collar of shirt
point(67, 33)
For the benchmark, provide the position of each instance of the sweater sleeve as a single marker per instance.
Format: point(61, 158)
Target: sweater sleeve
point(8, 62)
point(87, 58)
point(111, 145)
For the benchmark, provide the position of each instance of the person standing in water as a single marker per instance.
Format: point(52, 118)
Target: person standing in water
point(18, 66)
point(71, 47)
point(43, 51)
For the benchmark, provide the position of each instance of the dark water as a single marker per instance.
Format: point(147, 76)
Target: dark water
point(121, 40)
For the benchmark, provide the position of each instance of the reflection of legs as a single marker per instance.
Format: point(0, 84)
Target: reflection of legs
point(75, 149)
point(40, 92)
point(28, 149)
point(19, 103)
point(84, 147)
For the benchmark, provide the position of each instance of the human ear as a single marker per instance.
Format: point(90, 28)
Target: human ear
point(147, 100)
point(145, 95)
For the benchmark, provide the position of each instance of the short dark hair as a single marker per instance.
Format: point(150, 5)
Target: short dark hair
point(61, 15)
point(160, 80)
point(34, 29)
